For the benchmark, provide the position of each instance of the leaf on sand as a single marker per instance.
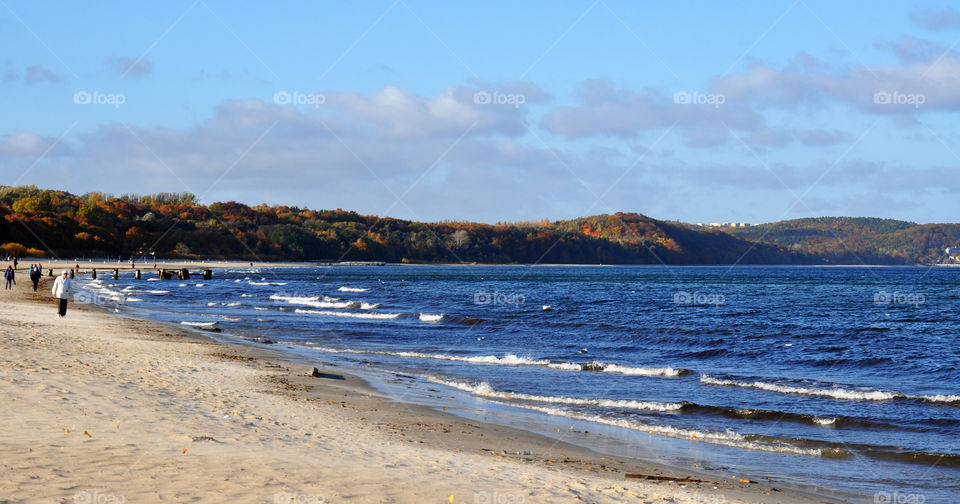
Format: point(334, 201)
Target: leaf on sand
point(85, 433)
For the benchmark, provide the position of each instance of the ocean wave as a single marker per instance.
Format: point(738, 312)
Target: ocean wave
point(260, 308)
point(268, 283)
point(514, 360)
point(725, 438)
point(157, 291)
point(485, 390)
point(199, 324)
point(215, 303)
point(385, 316)
point(316, 302)
point(369, 306)
point(351, 289)
point(247, 295)
point(426, 317)
point(834, 391)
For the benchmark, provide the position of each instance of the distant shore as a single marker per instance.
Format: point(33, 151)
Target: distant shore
point(107, 405)
point(194, 265)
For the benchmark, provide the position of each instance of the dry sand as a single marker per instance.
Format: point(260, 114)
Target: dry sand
point(102, 408)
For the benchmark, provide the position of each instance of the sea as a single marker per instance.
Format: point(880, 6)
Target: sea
point(834, 379)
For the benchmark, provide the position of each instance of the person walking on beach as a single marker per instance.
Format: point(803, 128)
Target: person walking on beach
point(61, 291)
point(35, 273)
point(8, 276)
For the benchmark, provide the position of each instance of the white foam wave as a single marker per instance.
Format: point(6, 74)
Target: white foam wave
point(247, 295)
point(199, 324)
point(426, 317)
point(369, 306)
point(485, 390)
point(153, 279)
point(351, 314)
point(513, 360)
point(231, 319)
point(157, 291)
point(315, 301)
point(200, 285)
point(351, 289)
point(726, 438)
point(642, 371)
point(231, 304)
point(260, 308)
point(835, 393)
point(941, 398)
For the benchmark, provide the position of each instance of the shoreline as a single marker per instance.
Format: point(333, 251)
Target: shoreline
point(104, 266)
point(268, 394)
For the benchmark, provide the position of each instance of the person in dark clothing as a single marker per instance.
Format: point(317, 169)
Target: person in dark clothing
point(35, 274)
point(8, 275)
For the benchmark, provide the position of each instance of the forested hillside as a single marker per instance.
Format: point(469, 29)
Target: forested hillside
point(856, 240)
point(46, 222)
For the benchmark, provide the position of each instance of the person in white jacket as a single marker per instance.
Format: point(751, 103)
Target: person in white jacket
point(61, 291)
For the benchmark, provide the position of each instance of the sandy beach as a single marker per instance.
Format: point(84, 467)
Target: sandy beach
point(104, 408)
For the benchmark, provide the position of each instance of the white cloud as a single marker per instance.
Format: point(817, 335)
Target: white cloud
point(25, 143)
point(604, 110)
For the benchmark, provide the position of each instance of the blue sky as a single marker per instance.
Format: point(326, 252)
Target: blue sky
point(697, 111)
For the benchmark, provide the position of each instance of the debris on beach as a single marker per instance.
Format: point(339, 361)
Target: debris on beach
point(652, 477)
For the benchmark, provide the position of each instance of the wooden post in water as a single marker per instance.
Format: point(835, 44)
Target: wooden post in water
point(116, 274)
point(207, 274)
point(137, 275)
point(93, 274)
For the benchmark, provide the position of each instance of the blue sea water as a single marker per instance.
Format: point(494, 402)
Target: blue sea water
point(839, 378)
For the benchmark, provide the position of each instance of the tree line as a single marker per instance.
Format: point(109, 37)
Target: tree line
point(176, 225)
